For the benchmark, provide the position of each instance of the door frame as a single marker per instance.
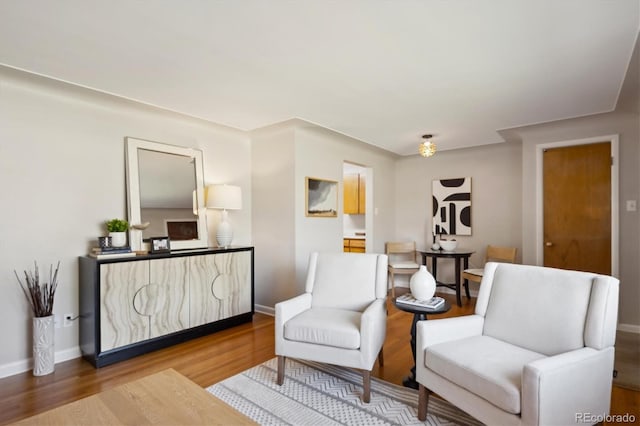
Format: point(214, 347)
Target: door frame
point(370, 209)
point(615, 232)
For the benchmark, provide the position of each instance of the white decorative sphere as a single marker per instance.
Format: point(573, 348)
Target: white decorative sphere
point(422, 284)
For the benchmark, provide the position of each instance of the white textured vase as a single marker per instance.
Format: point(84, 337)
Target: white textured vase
point(118, 239)
point(422, 284)
point(43, 346)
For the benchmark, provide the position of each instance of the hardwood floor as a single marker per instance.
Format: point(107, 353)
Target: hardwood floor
point(210, 359)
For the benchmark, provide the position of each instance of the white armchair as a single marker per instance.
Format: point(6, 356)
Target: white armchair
point(341, 318)
point(539, 349)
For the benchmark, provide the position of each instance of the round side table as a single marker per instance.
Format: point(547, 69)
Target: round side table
point(419, 314)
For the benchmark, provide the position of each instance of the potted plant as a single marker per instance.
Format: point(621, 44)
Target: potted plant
point(41, 297)
point(118, 232)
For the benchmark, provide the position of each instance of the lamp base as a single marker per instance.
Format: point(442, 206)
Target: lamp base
point(224, 233)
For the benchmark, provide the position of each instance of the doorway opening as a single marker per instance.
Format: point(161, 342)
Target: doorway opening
point(357, 221)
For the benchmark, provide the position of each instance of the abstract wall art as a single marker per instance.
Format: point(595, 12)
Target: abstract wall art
point(452, 206)
point(321, 197)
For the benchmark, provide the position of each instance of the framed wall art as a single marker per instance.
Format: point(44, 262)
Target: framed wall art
point(452, 206)
point(321, 197)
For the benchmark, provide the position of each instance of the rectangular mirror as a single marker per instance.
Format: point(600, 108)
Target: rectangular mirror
point(165, 187)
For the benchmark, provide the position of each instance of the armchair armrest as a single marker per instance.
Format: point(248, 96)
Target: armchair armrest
point(373, 330)
point(562, 388)
point(432, 332)
point(288, 309)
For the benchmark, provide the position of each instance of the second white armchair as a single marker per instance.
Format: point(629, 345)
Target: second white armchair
point(539, 349)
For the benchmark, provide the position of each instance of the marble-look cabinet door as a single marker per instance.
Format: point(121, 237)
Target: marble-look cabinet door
point(120, 324)
point(220, 286)
point(168, 297)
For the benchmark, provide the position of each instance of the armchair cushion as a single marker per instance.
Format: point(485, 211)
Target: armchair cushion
point(346, 280)
point(493, 371)
point(528, 301)
point(325, 326)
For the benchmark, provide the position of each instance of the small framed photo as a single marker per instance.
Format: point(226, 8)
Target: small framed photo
point(159, 244)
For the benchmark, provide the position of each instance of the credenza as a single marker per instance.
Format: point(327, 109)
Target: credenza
point(134, 305)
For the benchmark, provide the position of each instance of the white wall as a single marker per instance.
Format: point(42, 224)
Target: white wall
point(503, 194)
point(283, 155)
point(627, 126)
point(273, 214)
point(496, 199)
point(62, 169)
point(321, 153)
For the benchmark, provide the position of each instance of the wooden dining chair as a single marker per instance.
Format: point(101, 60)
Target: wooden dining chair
point(494, 254)
point(402, 260)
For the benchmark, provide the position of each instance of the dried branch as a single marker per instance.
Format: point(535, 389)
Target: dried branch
point(40, 296)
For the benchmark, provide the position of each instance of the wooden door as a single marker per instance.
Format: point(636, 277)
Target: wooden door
point(577, 207)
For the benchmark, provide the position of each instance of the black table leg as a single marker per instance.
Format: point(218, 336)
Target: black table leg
point(466, 282)
point(410, 381)
point(458, 277)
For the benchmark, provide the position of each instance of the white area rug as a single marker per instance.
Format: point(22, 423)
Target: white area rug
point(320, 394)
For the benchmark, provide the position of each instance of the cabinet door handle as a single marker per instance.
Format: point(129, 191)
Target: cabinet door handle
point(548, 244)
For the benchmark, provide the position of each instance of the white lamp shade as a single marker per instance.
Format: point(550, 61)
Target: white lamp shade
point(224, 197)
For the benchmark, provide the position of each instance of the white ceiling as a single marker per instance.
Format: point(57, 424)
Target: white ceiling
point(384, 72)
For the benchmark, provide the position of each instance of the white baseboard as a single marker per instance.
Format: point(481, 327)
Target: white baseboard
point(631, 328)
point(21, 366)
point(267, 310)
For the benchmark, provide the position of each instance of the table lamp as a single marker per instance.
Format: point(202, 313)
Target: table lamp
point(224, 197)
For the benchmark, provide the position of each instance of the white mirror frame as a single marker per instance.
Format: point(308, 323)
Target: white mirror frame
point(133, 186)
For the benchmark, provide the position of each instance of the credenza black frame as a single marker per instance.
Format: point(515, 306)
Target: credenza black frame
point(90, 331)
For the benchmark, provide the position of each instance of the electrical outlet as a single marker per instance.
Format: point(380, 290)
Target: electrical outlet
point(57, 320)
point(631, 205)
point(68, 320)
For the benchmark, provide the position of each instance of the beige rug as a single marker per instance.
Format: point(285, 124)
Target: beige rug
point(321, 394)
point(627, 364)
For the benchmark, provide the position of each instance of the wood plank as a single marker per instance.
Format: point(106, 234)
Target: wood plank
point(166, 397)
